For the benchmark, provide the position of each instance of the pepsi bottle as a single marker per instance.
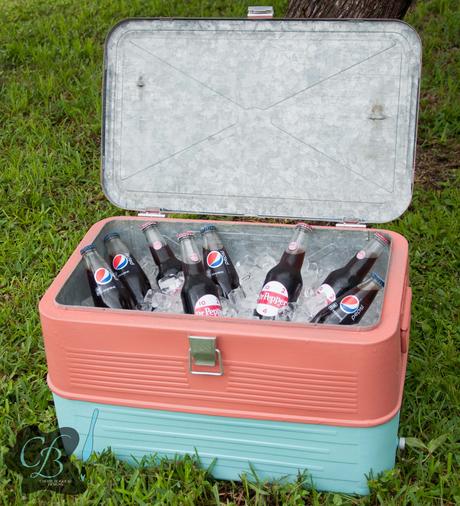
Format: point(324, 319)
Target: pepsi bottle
point(106, 289)
point(219, 267)
point(348, 276)
point(127, 269)
point(169, 277)
point(283, 282)
point(352, 305)
point(199, 294)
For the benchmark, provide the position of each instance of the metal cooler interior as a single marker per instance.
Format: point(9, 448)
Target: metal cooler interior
point(328, 249)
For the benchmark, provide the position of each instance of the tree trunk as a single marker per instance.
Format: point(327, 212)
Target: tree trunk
point(347, 8)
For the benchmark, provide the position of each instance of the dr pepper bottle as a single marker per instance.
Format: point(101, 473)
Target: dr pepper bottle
point(199, 294)
point(352, 305)
point(283, 282)
point(169, 277)
point(348, 276)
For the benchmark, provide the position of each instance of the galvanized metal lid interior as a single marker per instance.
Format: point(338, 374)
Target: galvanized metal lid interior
point(296, 119)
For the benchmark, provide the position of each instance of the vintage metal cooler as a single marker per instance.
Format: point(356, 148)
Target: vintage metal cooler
point(276, 118)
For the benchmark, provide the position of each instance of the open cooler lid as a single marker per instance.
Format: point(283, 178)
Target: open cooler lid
point(306, 119)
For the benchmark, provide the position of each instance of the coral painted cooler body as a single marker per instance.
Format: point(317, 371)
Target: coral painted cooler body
point(291, 119)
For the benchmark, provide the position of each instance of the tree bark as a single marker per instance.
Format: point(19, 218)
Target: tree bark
point(347, 8)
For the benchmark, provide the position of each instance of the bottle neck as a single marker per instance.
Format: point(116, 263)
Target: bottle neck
point(373, 248)
point(212, 241)
point(115, 245)
point(298, 242)
point(93, 260)
point(191, 256)
point(154, 237)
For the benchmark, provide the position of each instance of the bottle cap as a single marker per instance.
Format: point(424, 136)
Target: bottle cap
point(382, 238)
point(183, 235)
point(111, 236)
point(90, 247)
point(304, 226)
point(207, 228)
point(148, 224)
point(378, 279)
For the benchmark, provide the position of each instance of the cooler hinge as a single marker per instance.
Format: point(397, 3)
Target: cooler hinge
point(260, 12)
point(152, 213)
point(352, 223)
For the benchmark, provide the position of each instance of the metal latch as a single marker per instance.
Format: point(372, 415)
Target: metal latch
point(203, 352)
point(260, 12)
point(152, 213)
point(352, 223)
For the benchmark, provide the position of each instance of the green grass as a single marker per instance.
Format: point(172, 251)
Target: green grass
point(50, 108)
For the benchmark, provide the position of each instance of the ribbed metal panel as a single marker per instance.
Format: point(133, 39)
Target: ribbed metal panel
point(336, 458)
point(245, 384)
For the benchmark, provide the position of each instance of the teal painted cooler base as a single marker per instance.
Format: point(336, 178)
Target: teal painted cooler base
point(336, 458)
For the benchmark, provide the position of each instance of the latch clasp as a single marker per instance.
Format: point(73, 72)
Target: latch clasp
point(260, 12)
point(152, 213)
point(351, 222)
point(203, 352)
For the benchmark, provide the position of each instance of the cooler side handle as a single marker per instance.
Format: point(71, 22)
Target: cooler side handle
point(405, 320)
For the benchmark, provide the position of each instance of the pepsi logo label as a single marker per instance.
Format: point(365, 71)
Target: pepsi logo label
point(194, 257)
point(103, 276)
point(349, 304)
point(361, 254)
point(293, 246)
point(214, 259)
point(157, 245)
point(208, 305)
point(272, 298)
point(119, 262)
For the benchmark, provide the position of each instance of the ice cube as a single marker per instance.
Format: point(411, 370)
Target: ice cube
point(150, 269)
point(147, 304)
point(171, 284)
point(301, 315)
point(265, 262)
point(228, 309)
point(313, 304)
point(236, 296)
point(161, 301)
point(287, 312)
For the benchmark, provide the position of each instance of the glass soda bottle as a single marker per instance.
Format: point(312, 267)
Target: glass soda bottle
point(106, 289)
point(218, 264)
point(349, 308)
point(170, 276)
point(348, 276)
point(127, 269)
point(199, 294)
point(283, 282)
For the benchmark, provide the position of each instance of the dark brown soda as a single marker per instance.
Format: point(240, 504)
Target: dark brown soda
point(196, 285)
point(287, 272)
point(115, 295)
point(167, 263)
point(352, 305)
point(131, 275)
point(283, 283)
